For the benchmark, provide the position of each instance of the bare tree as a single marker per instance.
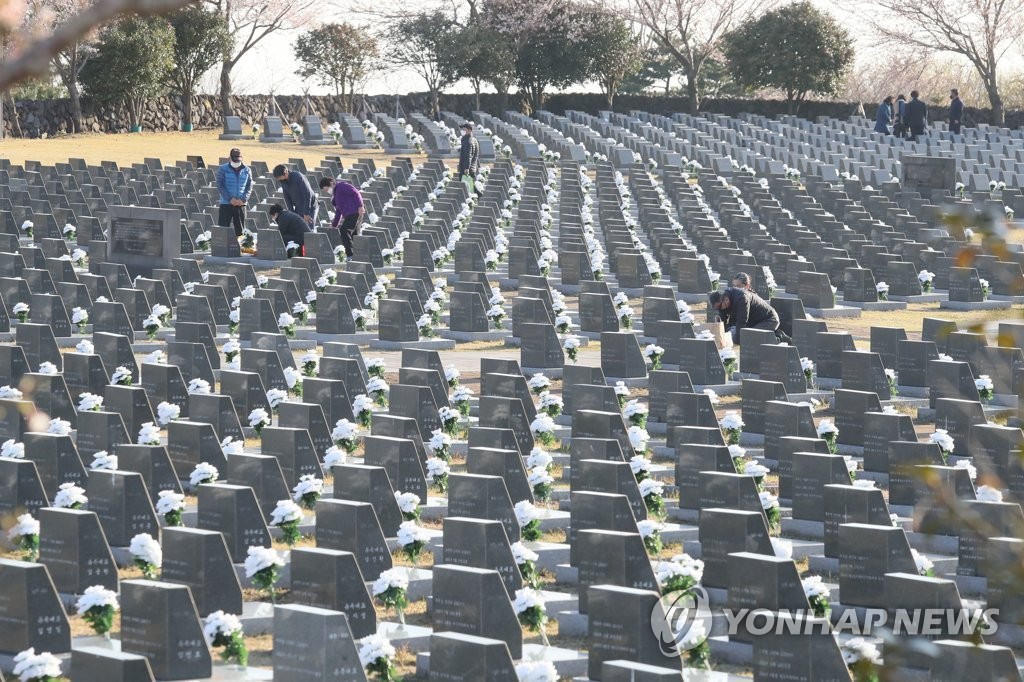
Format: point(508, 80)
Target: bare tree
point(692, 30)
point(982, 31)
point(69, 62)
point(250, 21)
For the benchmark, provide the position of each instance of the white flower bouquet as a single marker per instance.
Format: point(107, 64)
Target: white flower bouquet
point(528, 520)
point(258, 419)
point(408, 504)
point(225, 630)
point(345, 435)
point(412, 539)
point(390, 589)
point(170, 505)
point(25, 534)
point(204, 472)
point(438, 471)
point(829, 432)
point(147, 554)
point(261, 566)
point(70, 496)
point(287, 515)
point(732, 424)
point(376, 655)
point(97, 607)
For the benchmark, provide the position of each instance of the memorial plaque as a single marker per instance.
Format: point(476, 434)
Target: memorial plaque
point(143, 239)
point(331, 579)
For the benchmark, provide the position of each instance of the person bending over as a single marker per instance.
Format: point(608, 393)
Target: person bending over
point(743, 309)
point(293, 228)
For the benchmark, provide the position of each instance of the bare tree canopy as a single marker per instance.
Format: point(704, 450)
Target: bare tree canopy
point(250, 21)
point(692, 31)
point(982, 31)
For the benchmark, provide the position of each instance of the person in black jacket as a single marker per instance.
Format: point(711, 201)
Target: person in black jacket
point(743, 309)
point(917, 116)
point(299, 196)
point(956, 111)
point(469, 153)
point(293, 228)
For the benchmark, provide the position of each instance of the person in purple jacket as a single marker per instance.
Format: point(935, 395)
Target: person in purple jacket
point(348, 209)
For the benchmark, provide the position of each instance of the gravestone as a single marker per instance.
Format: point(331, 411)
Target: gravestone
point(612, 558)
point(353, 527)
point(159, 621)
point(482, 497)
point(481, 543)
point(866, 553)
point(473, 601)
point(121, 502)
point(21, 489)
point(621, 624)
point(75, 551)
point(724, 531)
point(851, 504)
point(331, 579)
point(31, 610)
point(199, 559)
point(312, 643)
point(621, 356)
point(466, 658)
point(233, 511)
point(96, 663)
point(143, 239)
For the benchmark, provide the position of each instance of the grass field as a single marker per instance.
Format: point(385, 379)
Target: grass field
point(169, 147)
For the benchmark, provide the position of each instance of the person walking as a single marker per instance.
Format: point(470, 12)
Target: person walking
point(348, 209)
point(234, 183)
point(917, 115)
point(292, 226)
point(899, 126)
point(469, 157)
point(883, 117)
point(743, 309)
point(299, 196)
point(956, 111)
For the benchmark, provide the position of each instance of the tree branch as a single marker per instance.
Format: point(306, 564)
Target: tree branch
point(35, 57)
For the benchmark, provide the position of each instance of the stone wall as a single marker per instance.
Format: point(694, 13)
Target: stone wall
point(47, 118)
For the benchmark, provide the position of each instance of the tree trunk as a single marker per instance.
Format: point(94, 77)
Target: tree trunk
point(16, 130)
point(225, 88)
point(609, 93)
point(502, 98)
point(186, 107)
point(996, 100)
point(691, 91)
point(76, 105)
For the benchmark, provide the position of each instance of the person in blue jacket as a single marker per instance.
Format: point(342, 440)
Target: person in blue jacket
point(883, 119)
point(234, 182)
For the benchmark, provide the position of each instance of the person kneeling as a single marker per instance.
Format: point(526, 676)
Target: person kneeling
point(742, 308)
point(291, 225)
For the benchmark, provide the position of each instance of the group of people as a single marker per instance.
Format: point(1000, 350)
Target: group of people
point(910, 119)
point(297, 216)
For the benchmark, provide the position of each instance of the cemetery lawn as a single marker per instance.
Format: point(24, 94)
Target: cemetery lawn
point(170, 147)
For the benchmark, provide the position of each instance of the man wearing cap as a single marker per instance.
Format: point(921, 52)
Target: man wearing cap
point(299, 196)
point(743, 309)
point(234, 182)
point(469, 154)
